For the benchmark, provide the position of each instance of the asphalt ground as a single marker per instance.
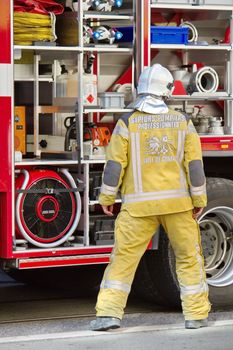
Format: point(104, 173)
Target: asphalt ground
point(218, 336)
point(40, 312)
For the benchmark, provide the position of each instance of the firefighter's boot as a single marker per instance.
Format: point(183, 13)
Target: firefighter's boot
point(105, 323)
point(195, 324)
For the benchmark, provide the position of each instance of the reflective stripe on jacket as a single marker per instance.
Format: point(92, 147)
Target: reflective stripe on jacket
point(156, 162)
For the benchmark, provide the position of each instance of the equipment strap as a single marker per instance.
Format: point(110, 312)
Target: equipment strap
point(49, 190)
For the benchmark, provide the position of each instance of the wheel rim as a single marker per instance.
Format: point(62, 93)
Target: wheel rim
point(216, 226)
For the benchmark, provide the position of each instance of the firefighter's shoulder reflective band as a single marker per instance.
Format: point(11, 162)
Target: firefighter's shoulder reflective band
point(122, 131)
point(194, 289)
point(109, 190)
point(146, 196)
point(115, 285)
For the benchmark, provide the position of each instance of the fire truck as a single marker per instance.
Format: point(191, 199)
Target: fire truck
point(68, 71)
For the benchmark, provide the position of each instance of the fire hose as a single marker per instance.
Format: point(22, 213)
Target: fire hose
point(34, 20)
point(30, 27)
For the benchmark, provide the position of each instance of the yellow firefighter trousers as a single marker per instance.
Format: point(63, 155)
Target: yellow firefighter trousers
point(132, 236)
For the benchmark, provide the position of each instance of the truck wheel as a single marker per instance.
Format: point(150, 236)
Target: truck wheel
point(216, 225)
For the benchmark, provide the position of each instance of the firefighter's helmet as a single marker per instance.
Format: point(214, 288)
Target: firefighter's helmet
point(156, 80)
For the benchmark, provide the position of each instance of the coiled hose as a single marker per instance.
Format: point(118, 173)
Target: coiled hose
point(30, 27)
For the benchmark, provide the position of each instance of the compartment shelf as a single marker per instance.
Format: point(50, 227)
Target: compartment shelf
point(71, 108)
point(217, 153)
point(222, 138)
point(194, 7)
point(220, 47)
point(108, 110)
point(107, 48)
point(48, 79)
point(50, 52)
point(201, 96)
point(39, 48)
point(106, 16)
point(36, 162)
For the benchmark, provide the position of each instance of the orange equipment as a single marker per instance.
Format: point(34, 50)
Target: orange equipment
point(20, 129)
point(100, 136)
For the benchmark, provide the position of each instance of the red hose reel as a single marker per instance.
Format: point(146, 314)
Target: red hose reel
point(48, 207)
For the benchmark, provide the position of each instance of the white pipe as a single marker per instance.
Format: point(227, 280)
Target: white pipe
point(204, 80)
point(74, 225)
point(193, 34)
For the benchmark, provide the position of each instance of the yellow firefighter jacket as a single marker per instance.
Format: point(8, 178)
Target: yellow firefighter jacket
point(155, 161)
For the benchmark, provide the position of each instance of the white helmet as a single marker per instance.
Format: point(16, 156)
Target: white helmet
point(156, 80)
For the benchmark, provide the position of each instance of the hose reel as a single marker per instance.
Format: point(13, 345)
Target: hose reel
point(48, 207)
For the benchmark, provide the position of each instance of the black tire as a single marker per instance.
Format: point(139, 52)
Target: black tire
point(143, 286)
point(160, 265)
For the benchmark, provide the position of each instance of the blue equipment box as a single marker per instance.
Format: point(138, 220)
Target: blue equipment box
point(127, 34)
point(169, 35)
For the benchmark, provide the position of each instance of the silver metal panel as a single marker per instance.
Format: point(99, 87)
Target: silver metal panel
point(6, 74)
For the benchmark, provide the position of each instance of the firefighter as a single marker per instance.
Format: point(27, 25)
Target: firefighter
point(155, 160)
